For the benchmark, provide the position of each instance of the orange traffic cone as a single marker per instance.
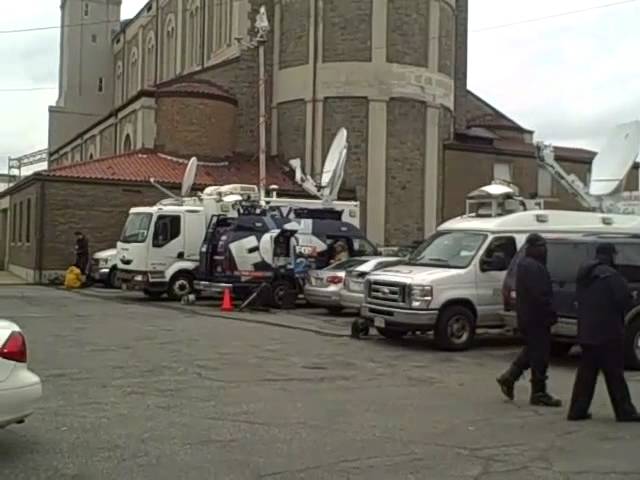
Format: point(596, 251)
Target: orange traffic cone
point(227, 303)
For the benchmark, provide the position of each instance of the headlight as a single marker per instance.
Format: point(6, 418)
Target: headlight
point(139, 278)
point(421, 296)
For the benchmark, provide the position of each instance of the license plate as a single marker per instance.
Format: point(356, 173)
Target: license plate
point(378, 322)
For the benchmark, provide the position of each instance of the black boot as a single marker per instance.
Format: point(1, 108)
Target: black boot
point(507, 381)
point(539, 395)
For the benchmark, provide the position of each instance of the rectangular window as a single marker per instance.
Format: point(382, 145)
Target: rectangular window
point(545, 183)
point(94, 38)
point(167, 229)
point(14, 224)
point(85, 9)
point(20, 222)
point(502, 171)
point(27, 235)
point(100, 85)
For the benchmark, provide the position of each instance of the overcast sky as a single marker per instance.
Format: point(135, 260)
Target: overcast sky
point(568, 78)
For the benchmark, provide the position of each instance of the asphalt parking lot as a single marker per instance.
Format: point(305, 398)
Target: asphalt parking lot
point(137, 389)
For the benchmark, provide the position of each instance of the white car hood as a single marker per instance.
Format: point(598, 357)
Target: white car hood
point(415, 274)
point(102, 254)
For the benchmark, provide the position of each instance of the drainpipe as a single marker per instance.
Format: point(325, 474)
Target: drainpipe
point(314, 75)
point(39, 238)
point(159, 37)
point(203, 40)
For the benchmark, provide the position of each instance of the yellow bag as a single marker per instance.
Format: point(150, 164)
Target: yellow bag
point(73, 278)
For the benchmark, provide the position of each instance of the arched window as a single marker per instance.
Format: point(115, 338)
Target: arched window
point(150, 61)
point(169, 48)
point(118, 87)
point(194, 40)
point(133, 72)
point(127, 144)
point(222, 24)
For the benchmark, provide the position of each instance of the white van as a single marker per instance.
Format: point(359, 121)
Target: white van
point(452, 284)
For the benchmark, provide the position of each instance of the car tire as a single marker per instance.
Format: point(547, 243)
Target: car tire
point(390, 333)
point(180, 285)
point(335, 310)
point(560, 349)
point(632, 345)
point(279, 289)
point(153, 295)
point(455, 329)
point(112, 279)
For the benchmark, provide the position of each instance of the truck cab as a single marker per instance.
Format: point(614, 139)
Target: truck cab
point(159, 248)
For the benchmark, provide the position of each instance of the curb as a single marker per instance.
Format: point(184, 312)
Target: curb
point(182, 309)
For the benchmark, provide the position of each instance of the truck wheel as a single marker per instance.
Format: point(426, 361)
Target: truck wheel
point(560, 349)
point(112, 280)
point(279, 291)
point(455, 329)
point(181, 284)
point(632, 345)
point(391, 334)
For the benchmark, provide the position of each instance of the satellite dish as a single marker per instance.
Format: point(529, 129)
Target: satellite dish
point(189, 177)
point(611, 166)
point(492, 190)
point(333, 170)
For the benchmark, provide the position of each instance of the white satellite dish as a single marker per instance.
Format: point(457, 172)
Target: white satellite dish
point(611, 166)
point(233, 197)
point(332, 171)
point(189, 177)
point(492, 190)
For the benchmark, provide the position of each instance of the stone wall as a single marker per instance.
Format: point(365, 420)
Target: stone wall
point(406, 142)
point(446, 39)
point(294, 33)
point(23, 231)
point(462, 28)
point(195, 126)
point(98, 210)
point(292, 129)
point(408, 32)
point(108, 141)
point(347, 31)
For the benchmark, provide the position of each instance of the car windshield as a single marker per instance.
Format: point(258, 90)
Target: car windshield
point(448, 250)
point(362, 248)
point(346, 264)
point(137, 228)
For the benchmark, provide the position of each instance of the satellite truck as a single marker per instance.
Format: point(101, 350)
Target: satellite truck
point(159, 248)
point(452, 284)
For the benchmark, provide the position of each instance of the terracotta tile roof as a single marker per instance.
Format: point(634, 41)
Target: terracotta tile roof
point(140, 166)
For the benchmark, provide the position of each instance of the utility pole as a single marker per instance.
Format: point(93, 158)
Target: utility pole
point(262, 30)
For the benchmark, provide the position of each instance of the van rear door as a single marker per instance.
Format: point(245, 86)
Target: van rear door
point(564, 258)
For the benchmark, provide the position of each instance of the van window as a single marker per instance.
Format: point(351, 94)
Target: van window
point(454, 249)
point(504, 245)
point(362, 248)
point(564, 260)
point(628, 261)
point(167, 228)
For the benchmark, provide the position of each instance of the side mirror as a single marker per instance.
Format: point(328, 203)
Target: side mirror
point(496, 263)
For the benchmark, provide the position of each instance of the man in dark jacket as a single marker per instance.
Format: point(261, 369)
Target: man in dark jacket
point(604, 299)
point(82, 252)
point(536, 316)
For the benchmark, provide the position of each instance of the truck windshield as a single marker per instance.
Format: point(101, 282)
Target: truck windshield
point(448, 250)
point(137, 228)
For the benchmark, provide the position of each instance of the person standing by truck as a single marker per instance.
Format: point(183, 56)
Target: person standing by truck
point(82, 252)
point(604, 299)
point(536, 316)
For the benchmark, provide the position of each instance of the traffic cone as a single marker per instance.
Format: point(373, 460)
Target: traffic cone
point(227, 303)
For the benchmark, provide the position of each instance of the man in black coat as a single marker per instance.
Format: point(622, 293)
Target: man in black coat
point(604, 299)
point(536, 316)
point(82, 252)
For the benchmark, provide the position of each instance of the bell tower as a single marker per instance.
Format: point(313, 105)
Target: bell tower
point(85, 83)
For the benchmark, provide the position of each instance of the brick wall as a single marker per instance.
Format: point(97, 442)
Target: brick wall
point(406, 130)
point(98, 210)
point(23, 232)
point(347, 31)
point(294, 33)
point(195, 126)
point(292, 129)
point(353, 114)
point(408, 32)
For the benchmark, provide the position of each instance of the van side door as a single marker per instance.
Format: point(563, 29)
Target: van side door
point(491, 268)
point(564, 259)
point(167, 242)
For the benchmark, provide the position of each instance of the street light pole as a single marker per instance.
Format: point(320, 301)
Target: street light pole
point(262, 29)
